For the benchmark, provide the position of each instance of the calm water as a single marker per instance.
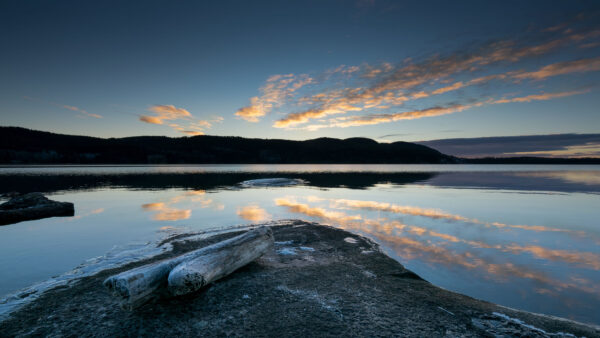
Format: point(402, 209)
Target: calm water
point(526, 237)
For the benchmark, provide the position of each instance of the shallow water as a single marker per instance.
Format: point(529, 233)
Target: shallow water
point(526, 237)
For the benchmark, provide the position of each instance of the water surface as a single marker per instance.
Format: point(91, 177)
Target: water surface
point(521, 236)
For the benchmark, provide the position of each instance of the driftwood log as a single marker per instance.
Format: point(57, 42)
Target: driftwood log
point(219, 260)
point(137, 286)
point(32, 206)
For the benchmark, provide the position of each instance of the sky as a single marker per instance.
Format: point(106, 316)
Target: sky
point(386, 70)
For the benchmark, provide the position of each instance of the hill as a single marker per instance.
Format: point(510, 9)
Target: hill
point(25, 146)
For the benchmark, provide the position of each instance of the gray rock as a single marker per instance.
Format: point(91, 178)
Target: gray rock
point(32, 206)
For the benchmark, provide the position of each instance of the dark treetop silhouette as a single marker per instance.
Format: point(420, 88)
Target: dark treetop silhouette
point(25, 146)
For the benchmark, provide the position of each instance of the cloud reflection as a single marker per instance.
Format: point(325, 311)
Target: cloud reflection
point(412, 242)
point(253, 213)
point(164, 211)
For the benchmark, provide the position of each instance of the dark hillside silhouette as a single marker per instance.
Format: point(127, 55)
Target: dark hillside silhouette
point(24, 146)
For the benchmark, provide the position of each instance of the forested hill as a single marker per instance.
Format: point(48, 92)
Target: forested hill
point(25, 146)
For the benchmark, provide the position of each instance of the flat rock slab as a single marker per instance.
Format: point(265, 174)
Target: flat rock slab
point(32, 206)
point(316, 281)
point(272, 182)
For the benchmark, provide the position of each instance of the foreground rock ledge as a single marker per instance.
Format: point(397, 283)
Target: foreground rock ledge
point(32, 206)
point(317, 280)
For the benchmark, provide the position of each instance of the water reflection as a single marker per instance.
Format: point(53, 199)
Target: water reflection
point(434, 214)
point(253, 213)
point(164, 211)
point(587, 177)
point(499, 261)
point(527, 239)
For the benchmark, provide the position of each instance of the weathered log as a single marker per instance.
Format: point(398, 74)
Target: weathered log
point(137, 286)
point(219, 261)
point(32, 206)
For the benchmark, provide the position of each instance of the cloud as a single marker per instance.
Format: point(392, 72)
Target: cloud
point(165, 112)
point(561, 68)
point(151, 119)
point(552, 144)
point(170, 113)
point(347, 89)
point(371, 119)
point(274, 93)
point(354, 121)
point(83, 112)
point(540, 97)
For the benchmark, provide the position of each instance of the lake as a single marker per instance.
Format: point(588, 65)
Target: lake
point(522, 236)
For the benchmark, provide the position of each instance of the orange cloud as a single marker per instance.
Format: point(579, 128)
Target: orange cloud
point(411, 115)
point(561, 68)
point(274, 93)
point(165, 112)
point(540, 97)
point(169, 113)
point(151, 119)
point(73, 108)
point(371, 119)
point(253, 213)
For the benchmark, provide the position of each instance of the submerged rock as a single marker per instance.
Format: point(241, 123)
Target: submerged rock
point(272, 182)
point(32, 206)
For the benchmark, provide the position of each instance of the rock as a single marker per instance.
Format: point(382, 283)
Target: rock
point(272, 182)
point(33, 206)
point(322, 293)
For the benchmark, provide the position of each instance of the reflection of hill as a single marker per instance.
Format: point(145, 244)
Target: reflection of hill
point(19, 145)
point(196, 181)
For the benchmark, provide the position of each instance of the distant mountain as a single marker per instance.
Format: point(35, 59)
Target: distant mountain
point(25, 146)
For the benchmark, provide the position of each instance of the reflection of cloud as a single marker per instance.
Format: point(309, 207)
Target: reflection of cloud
point(585, 259)
point(166, 213)
point(253, 213)
point(434, 214)
point(389, 233)
point(314, 212)
point(93, 212)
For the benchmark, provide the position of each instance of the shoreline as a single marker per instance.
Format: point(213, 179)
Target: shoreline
point(317, 280)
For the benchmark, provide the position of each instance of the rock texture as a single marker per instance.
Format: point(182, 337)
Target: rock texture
point(316, 281)
point(32, 206)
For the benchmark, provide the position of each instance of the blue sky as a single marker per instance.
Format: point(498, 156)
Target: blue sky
point(386, 70)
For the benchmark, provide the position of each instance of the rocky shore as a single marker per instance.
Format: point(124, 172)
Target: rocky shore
point(316, 281)
point(32, 206)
